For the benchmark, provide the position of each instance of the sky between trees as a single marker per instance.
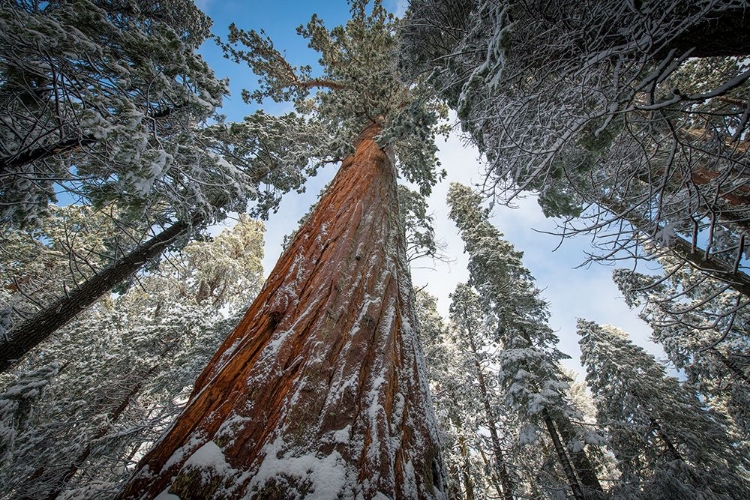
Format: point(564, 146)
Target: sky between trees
point(572, 292)
point(329, 340)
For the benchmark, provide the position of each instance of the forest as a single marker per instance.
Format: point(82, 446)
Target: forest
point(145, 352)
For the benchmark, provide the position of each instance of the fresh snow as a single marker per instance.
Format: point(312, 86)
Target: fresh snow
point(326, 475)
point(166, 495)
point(209, 455)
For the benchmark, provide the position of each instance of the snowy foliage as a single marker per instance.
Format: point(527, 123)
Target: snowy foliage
point(701, 324)
point(628, 119)
point(97, 96)
point(666, 442)
point(529, 369)
point(126, 368)
point(38, 265)
point(109, 101)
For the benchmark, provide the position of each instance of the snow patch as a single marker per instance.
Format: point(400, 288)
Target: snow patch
point(209, 455)
point(528, 435)
point(342, 435)
point(325, 475)
point(166, 495)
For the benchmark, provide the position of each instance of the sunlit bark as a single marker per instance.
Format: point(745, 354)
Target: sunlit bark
point(320, 389)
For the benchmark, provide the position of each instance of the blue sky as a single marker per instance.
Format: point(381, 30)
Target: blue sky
point(571, 291)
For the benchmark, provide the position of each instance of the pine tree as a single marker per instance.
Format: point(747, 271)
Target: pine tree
point(699, 322)
point(33, 330)
point(467, 318)
point(320, 390)
point(530, 375)
point(457, 405)
point(125, 368)
point(463, 390)
point(667, 444)
point(107, 102)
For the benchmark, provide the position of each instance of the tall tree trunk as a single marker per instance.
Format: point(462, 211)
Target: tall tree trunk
point(321, 387)
point(563, 457)
point(583, 466)
point(38, 328)
point(500, 466)
point(466, 472)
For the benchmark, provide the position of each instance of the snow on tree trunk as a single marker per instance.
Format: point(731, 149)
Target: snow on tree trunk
point(500, 467)
point(39, 327)
point(320, 391)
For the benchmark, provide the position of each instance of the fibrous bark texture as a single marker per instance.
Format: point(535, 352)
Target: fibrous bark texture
point(320, 391)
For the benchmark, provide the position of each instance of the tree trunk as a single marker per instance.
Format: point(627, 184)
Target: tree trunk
point(463, 474)
point(583, 466)
point(730, 365)
point(320, 390)
point(492, 477)
point(672, 452)
point(562, 455)
point(466, 472)
point(500, 466)
point(37, 329)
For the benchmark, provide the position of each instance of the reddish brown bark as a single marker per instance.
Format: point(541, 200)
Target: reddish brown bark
point(323, 371)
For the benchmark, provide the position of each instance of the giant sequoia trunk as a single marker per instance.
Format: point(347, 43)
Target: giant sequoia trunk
point(320, 390)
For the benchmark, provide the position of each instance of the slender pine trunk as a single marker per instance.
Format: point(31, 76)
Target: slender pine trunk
point(38, 328)
point(730, 365)
point(321, 389)
point(466, 472)
point(500, 465)
point(563, 457)
point(584, 468)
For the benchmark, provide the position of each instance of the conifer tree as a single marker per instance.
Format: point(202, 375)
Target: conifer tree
point(667, 444)
point(320, 390)
point(467, 318)
point(530, 376)
point(122, 370)
point(456, 403)
point(700, 323)
point(106, 102)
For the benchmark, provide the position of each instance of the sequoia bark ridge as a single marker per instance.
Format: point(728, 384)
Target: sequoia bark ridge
point(320, 391)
